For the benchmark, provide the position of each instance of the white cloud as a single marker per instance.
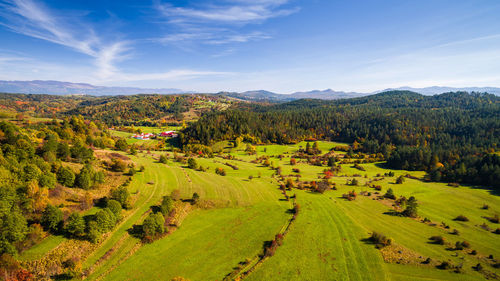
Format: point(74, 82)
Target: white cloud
point(33, 19)
point(248, 12)
point(221, 23)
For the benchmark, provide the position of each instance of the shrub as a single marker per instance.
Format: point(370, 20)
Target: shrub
point(65, 176)
point(122, 195)
point(380, 240)
point(121, 144)
point(445, 265)
point(84, 178)
point(497, 231)
point(163, 159)
point(400, 180)
point(192, 163)
point(92, 230)
point(411, 208)
point(167, 204)
point(195, 198)
point(390, 194)
point(75, 225)
point(153, 224)
point(455, 232)
point(437, 240)
point(220, 171)
point(461, 218)
point(118, 165)
point(115, 207)
point(494, 219)
point(52, 218)
point(485, 207)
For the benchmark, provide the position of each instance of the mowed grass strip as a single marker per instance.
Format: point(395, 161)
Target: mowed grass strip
point(323, 244)
point(207, 246)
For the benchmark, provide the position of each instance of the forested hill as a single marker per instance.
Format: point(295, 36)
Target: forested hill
point(147, 110)
point(412, 131)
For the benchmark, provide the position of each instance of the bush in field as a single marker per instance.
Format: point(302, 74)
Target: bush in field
point(195, 198)
point(445, 265)
point(105, 220)
point(121, 144)
point(494, 219)
point(461, 218)
point(192, 163)
point(322, 186)
point(84, 179)
point(220, 171)
point(153, 225)
point(52, 218)
point(380, 240)
point(167, 204)
point(65, 176)
point(163, 159)
point(400, 180)
point(411, 208)
point(118, 165)
point(75, 225)
point(461, 245)
point(115, 207)
point(93, 232)
point(293, 161)
point(122, 195)
point(437, 240)
point(13, 228)
point(390, 194)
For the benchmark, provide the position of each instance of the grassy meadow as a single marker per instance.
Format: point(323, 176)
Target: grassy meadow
point(328, 240)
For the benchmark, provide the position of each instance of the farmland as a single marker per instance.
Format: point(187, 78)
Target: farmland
point(326, 242)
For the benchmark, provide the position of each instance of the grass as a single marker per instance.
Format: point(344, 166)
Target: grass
point(39, 250)
point(325, 243)
point(262, 220)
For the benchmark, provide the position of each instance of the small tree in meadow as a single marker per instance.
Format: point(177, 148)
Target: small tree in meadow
point(192, 163)
point(52, 218)
point(411, 208)
point(390, 194)
point(167, 204)
point(153, 225)
point(163, 159)
point(195, 198)
point(75, 225)
point(400, 180)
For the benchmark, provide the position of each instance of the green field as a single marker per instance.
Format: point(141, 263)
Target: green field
point(326, 242)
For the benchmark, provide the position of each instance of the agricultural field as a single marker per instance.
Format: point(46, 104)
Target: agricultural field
point(242, 210)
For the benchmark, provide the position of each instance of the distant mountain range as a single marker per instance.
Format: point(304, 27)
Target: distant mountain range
point(68, 88)
point(434, 90)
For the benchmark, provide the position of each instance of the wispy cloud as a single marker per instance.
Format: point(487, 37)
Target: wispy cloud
point(221, 23)
point(34, 19)
point(237, 11)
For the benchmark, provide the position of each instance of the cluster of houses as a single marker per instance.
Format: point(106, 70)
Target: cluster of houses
point(148, 136)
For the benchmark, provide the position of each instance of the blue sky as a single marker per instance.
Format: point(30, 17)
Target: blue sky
point(237, 45)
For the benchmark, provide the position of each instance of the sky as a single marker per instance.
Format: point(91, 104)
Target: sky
point(238, 45)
